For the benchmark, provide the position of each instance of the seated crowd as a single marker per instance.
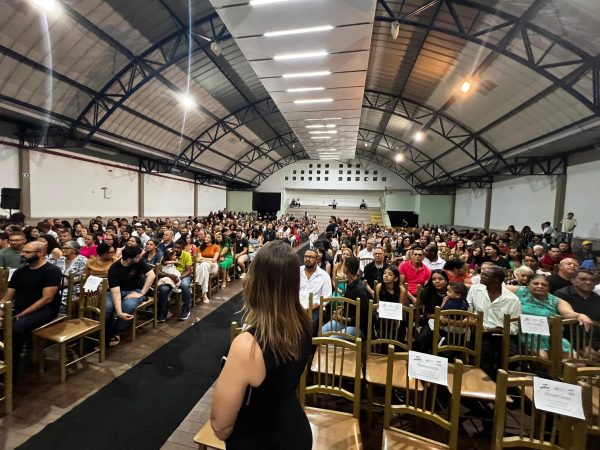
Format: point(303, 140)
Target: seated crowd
point(495, 273)
point(126, 253)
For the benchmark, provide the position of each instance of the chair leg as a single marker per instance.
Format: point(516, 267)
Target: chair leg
point(40, 355)
point(62, 361)
point(102, 352)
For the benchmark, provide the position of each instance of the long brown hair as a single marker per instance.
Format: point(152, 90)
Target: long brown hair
point(271, 301)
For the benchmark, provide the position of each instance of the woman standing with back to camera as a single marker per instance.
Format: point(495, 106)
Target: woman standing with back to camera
point(255, 403)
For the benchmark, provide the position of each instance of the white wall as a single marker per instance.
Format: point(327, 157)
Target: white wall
point(583, 186)
point(239, 201)
point(68, 187)
point(168, 196)
point(211, 199)
point(385, 178)
point(469, 207)
point(9, 170)
point(523, 201)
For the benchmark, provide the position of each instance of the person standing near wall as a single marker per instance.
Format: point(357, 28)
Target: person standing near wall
point(567, 229)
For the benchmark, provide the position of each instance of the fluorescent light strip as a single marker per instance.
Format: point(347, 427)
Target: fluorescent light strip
point(320, 73)
point(313, 100)
point(288, 56)
point(298, 31)
point(265, 2)
point(306, 89)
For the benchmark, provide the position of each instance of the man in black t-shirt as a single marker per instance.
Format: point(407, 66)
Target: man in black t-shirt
point(129, 280)
point(33, 289)
point(241, 247)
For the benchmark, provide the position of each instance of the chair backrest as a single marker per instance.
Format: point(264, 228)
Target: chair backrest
point(536, 429)
point(4, 271)
point(6, 342)
point(235, 331)
point(463, 333)
point(93, 303)
point(528, 346)
point(591, 400)
point(329, 307)
point(422, 404)
point(330, 380)
point(384, 332)
point(582, 342)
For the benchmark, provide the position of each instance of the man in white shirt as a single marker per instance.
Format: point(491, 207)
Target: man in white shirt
point(365, 254)
point(494, 300)
point(432, 260)
point(315, 281)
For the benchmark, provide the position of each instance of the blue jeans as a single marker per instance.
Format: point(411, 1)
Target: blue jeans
point(163, 297)
point(334, 325)
point(128, 305)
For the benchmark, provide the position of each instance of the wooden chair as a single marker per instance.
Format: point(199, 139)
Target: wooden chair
point(332, 304)
point(533, 430)
point(582, 344)
point(380, 334)
point(463, 336)
point(4, 272)
point(591, 402)
point(334, 429)
point(90, 320)
point(528, 358)
point(420, 405)
point(6, 364)
point(147, 311)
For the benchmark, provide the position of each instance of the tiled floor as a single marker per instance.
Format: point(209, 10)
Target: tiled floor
point(41, 399)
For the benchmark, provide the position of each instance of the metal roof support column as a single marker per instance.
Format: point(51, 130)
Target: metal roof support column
point(24, 180)
point(488, 208)
point(141, 194)
point(559, 201)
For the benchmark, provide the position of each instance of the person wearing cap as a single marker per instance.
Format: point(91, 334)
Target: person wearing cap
point(585, 252)
point(140, 232)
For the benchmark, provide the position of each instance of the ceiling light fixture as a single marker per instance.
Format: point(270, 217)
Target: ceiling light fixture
point(187, 101)
point(418, 137)
point(298, 31)
point(46, 5)
point(465, 87)
point(265, 2)
point(306, 89)
point(313, 100)
point(288, 56)
point(320, 73)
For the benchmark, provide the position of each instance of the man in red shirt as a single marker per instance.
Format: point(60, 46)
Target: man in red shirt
point(413, 272)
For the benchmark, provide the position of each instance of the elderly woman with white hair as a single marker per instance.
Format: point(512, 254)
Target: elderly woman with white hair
point(522, 275)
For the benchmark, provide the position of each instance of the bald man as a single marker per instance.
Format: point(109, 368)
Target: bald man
point(34, 291)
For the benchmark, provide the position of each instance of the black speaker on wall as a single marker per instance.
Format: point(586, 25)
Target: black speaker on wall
point(11, 198)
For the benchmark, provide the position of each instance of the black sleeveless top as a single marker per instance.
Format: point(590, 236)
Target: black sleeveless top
point(271, 417)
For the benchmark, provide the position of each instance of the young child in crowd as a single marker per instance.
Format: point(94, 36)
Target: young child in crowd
point(168, 266)
point(456, 297)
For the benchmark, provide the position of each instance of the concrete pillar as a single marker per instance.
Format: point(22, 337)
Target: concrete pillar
point(559, 202)
point(25, 181)
point(488, 209)
point(196, 198)
point(141, 212)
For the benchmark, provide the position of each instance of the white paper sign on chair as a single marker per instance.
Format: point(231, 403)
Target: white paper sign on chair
point(534, 325)
point(556, 397)
point(425, 367)
point(390, 310)
point(92, 283)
